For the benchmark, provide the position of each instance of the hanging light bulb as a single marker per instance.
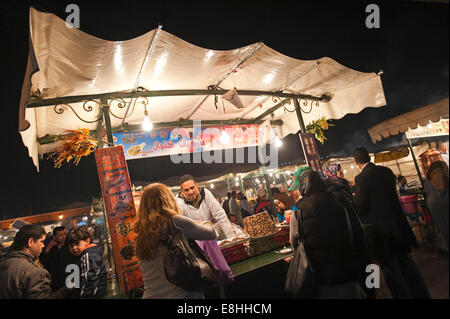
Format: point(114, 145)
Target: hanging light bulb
point(212, 185)
point(257, 180)
point(430, 125)
point(278, 142)
point(237, 184)
point(225, 139)
point(147, 125)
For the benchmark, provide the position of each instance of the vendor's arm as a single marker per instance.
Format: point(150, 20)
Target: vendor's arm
point(194, 230)
point(218, 214)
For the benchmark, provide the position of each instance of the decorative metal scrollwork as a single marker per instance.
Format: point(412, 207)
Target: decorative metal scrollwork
point(86, 107)
point(113, 104)
point(277, 99)
point(120, 103)
point(305, 103)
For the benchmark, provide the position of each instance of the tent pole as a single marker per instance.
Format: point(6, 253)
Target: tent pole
point(415, 160)
point(299, 116)
point(105, 107)
point(266, 178)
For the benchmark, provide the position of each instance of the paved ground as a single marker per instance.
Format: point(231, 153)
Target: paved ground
point(434, 267)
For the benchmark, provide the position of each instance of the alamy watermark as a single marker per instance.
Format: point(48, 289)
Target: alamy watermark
point(373, 279)
point(73, 19)
point(73, 278)
point(373, 19)
point(266, 154)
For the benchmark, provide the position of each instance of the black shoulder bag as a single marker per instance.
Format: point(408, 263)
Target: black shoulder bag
point(301, 281)
point(185, 263)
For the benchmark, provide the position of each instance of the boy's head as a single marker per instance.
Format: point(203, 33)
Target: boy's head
point(79, 239)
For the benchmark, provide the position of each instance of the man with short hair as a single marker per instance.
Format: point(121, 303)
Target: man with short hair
point(226, 204)
point(56, 256)
point(235, 209)
point(198, 203)
point(20, 276)
point(378, 204)
point(442, 148)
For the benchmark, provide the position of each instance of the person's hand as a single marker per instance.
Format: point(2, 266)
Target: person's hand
point(50, 245)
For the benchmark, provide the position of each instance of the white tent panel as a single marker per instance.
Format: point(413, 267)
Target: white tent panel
point(73, 63)
point(402, 123)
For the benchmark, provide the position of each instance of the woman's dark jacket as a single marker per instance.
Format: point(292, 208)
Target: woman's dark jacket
point(327, 240)
point(341, 191)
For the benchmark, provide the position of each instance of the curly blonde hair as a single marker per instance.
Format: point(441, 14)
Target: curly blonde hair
point(157, 205)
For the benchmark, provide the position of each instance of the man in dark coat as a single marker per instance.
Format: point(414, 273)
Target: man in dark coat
point(20, 276)
point(392, 238)
point(56, 256)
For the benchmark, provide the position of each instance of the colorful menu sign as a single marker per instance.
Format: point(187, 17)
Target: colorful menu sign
point(120, 212)
point(167, 141)
point(311, 153)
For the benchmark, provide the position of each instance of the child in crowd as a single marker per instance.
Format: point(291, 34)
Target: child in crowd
point(93, 277)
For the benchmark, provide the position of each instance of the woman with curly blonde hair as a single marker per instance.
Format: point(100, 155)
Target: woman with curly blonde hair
point(158, 205)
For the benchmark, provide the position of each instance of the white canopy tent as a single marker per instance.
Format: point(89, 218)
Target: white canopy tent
point(68, 67)
point(411, 122)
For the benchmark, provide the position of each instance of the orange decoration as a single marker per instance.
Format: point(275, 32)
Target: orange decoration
point(75, 145)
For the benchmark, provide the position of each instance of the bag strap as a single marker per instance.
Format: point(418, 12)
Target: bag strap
point(300, 231)
point(301, 235)
point(350, 229)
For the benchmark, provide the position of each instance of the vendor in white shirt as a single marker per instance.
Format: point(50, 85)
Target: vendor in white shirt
point(199, 203)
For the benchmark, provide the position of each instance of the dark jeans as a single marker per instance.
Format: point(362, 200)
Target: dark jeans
point(404, 279)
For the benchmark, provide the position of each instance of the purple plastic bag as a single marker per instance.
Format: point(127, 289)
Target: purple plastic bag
point(212, 249)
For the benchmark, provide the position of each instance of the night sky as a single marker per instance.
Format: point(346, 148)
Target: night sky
point(411, 47)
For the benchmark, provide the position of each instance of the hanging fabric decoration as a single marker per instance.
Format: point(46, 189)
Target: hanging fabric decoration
point(232, 97)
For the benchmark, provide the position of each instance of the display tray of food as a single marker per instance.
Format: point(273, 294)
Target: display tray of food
point(232, 242)
point(235, 252)
point(259, 225)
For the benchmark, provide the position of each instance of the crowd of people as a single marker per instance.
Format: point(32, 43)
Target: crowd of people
point(333, 215)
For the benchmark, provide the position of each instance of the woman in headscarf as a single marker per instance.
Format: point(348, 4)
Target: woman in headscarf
point(328, 240)
point(337, 185)
point(335, 174)
point(436, 191)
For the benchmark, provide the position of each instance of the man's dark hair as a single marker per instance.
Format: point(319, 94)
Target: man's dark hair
point(33, 231)
point(400, 177)
point(185, 178)
point(361, 155)
point(233, 193)
point(229, 194)
point(77, 234)
point(57, 229)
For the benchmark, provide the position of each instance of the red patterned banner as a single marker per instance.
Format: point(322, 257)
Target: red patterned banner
point(121, 212)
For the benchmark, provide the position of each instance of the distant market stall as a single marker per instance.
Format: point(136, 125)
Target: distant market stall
point(156, 95)
point(425, 122)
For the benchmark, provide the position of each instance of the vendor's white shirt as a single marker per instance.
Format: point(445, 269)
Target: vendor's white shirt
point(209, 210)
point(445, 157)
